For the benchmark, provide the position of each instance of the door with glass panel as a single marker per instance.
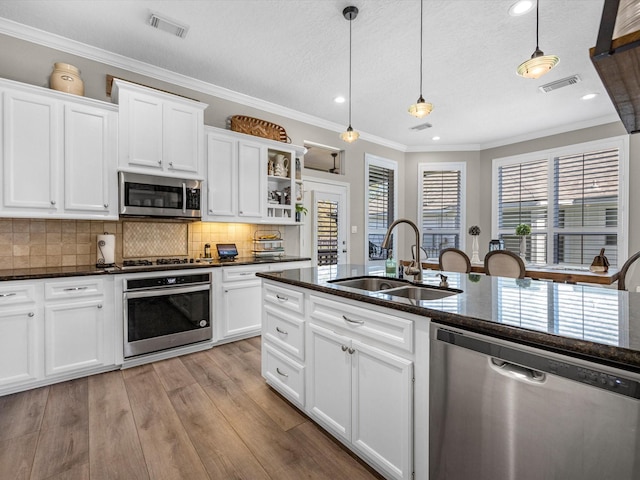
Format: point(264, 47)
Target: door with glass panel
point(329, 224)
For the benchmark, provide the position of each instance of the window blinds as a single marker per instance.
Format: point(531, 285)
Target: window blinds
point(381, 197)
point(441, 210)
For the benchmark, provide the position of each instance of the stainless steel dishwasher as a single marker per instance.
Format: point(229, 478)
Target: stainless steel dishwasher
point(499, 410)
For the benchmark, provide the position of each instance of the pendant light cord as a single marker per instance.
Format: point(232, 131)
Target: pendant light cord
point(350, 20)
point(421, 5)
point(537, 23)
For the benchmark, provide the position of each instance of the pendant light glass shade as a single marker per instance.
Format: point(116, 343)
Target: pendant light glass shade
point(539, 63)
point(421, 108)
point(350, 135)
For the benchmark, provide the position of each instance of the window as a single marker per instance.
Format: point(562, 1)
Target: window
point(327, 232)
point(571, 198)
point(441, 188)
point(380, 203)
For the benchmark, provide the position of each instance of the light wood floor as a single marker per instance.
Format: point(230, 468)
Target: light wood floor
point(208, 415)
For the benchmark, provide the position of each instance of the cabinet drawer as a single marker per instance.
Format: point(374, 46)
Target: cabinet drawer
point(284, 297)
point(284, 330)
point(236, 274)
point(281, 266)
point(17, 293)
point(283, 374)
point(85, 287)
point(382, 327)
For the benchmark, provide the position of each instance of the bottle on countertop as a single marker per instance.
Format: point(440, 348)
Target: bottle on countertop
point(207, 250)
point(390, 265)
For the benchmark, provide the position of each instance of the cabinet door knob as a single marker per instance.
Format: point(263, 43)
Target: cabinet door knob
point(159, 162)
point(99, 305)
point(31, 314)
point(106, 205)
point(352, 350)
point(53, 202)
point(344, 348)
point(170, 164)
point(211, 211)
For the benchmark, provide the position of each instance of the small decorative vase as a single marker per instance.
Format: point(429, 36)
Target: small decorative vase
point(66, 78)
point(523, 248)
point(474, 253)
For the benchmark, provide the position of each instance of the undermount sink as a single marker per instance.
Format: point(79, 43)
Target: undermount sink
point(370, 284)
point(422, 293)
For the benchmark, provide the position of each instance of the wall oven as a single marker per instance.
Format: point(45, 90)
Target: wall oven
point(166, 312)
point(153, 196)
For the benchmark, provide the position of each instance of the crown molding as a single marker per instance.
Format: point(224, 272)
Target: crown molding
point(57, 42)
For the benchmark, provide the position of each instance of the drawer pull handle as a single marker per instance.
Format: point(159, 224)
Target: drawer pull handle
point(351, 350)
point(3, 295)
point(359, 322)
point(31, 314)
point(284, 332)
point(284, 299)
point(344, 348)
point(281, 373)
point(75, 289)
point(245, 273)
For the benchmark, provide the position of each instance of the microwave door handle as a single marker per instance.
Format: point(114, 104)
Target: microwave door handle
point(184, 197)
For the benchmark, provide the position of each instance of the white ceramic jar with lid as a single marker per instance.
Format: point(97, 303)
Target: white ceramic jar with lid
point(66, 78)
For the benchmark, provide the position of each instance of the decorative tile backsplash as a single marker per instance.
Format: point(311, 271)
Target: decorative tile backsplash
point(143, 239)
point(30, 243)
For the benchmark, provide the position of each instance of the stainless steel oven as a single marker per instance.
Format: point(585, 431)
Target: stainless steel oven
point(163, 312)
point(154, 196)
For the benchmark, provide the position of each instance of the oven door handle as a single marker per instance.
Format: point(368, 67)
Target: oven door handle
point(163, 292)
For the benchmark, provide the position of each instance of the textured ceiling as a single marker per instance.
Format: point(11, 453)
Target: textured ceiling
point(294, 53)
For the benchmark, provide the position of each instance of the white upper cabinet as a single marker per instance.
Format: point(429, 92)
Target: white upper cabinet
point(159, 132)
point(58, 156)
point(242, 185)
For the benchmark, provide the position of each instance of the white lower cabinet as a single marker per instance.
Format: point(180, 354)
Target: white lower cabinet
point(349, 367)
point(55, 330)
point(240, 308)
point(20, 345)
point(363, 395)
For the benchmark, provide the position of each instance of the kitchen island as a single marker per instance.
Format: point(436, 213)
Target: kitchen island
point(358, 362)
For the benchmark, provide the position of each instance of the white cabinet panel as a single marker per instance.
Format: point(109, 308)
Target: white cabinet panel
point(74, 336)
point(31, 151)
point(251, 180)
point(222, 175)
point(284, 374)
point(141, 131)
point(242, 309)
point(20, 345)
point(90, 160)
point(182, 137)
point(284, 330)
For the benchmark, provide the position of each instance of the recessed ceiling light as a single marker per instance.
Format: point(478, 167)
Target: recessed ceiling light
point(339, 99)
point(520, 8)
point(436, 138)
point(589, 96)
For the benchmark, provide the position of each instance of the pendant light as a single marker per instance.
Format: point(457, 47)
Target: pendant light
point(350, 135)
point(539, 63)
point(421, 108)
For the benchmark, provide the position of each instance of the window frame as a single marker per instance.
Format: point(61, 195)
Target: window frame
point(621, 143)
point(381, 162)
point(442, 167)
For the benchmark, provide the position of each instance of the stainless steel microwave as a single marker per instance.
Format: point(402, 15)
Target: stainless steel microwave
point(154, 196)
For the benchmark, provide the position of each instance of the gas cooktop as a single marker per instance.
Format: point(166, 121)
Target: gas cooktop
point(158, 262)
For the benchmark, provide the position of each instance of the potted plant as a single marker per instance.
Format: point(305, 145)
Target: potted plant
point(300, 210)
point(522, 230)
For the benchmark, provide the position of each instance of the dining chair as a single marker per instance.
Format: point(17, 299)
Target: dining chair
point(503, 263)
point(629, 278)
point(454, 260)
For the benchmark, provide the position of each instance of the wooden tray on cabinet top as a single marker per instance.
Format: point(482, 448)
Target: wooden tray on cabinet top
point(259, 128)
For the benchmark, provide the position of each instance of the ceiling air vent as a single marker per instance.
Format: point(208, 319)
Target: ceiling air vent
point(168, 25)
point(564, 82)
point(422, 126)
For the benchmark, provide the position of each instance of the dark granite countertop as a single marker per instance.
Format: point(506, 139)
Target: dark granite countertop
point(82, 270)
point(592, 322)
